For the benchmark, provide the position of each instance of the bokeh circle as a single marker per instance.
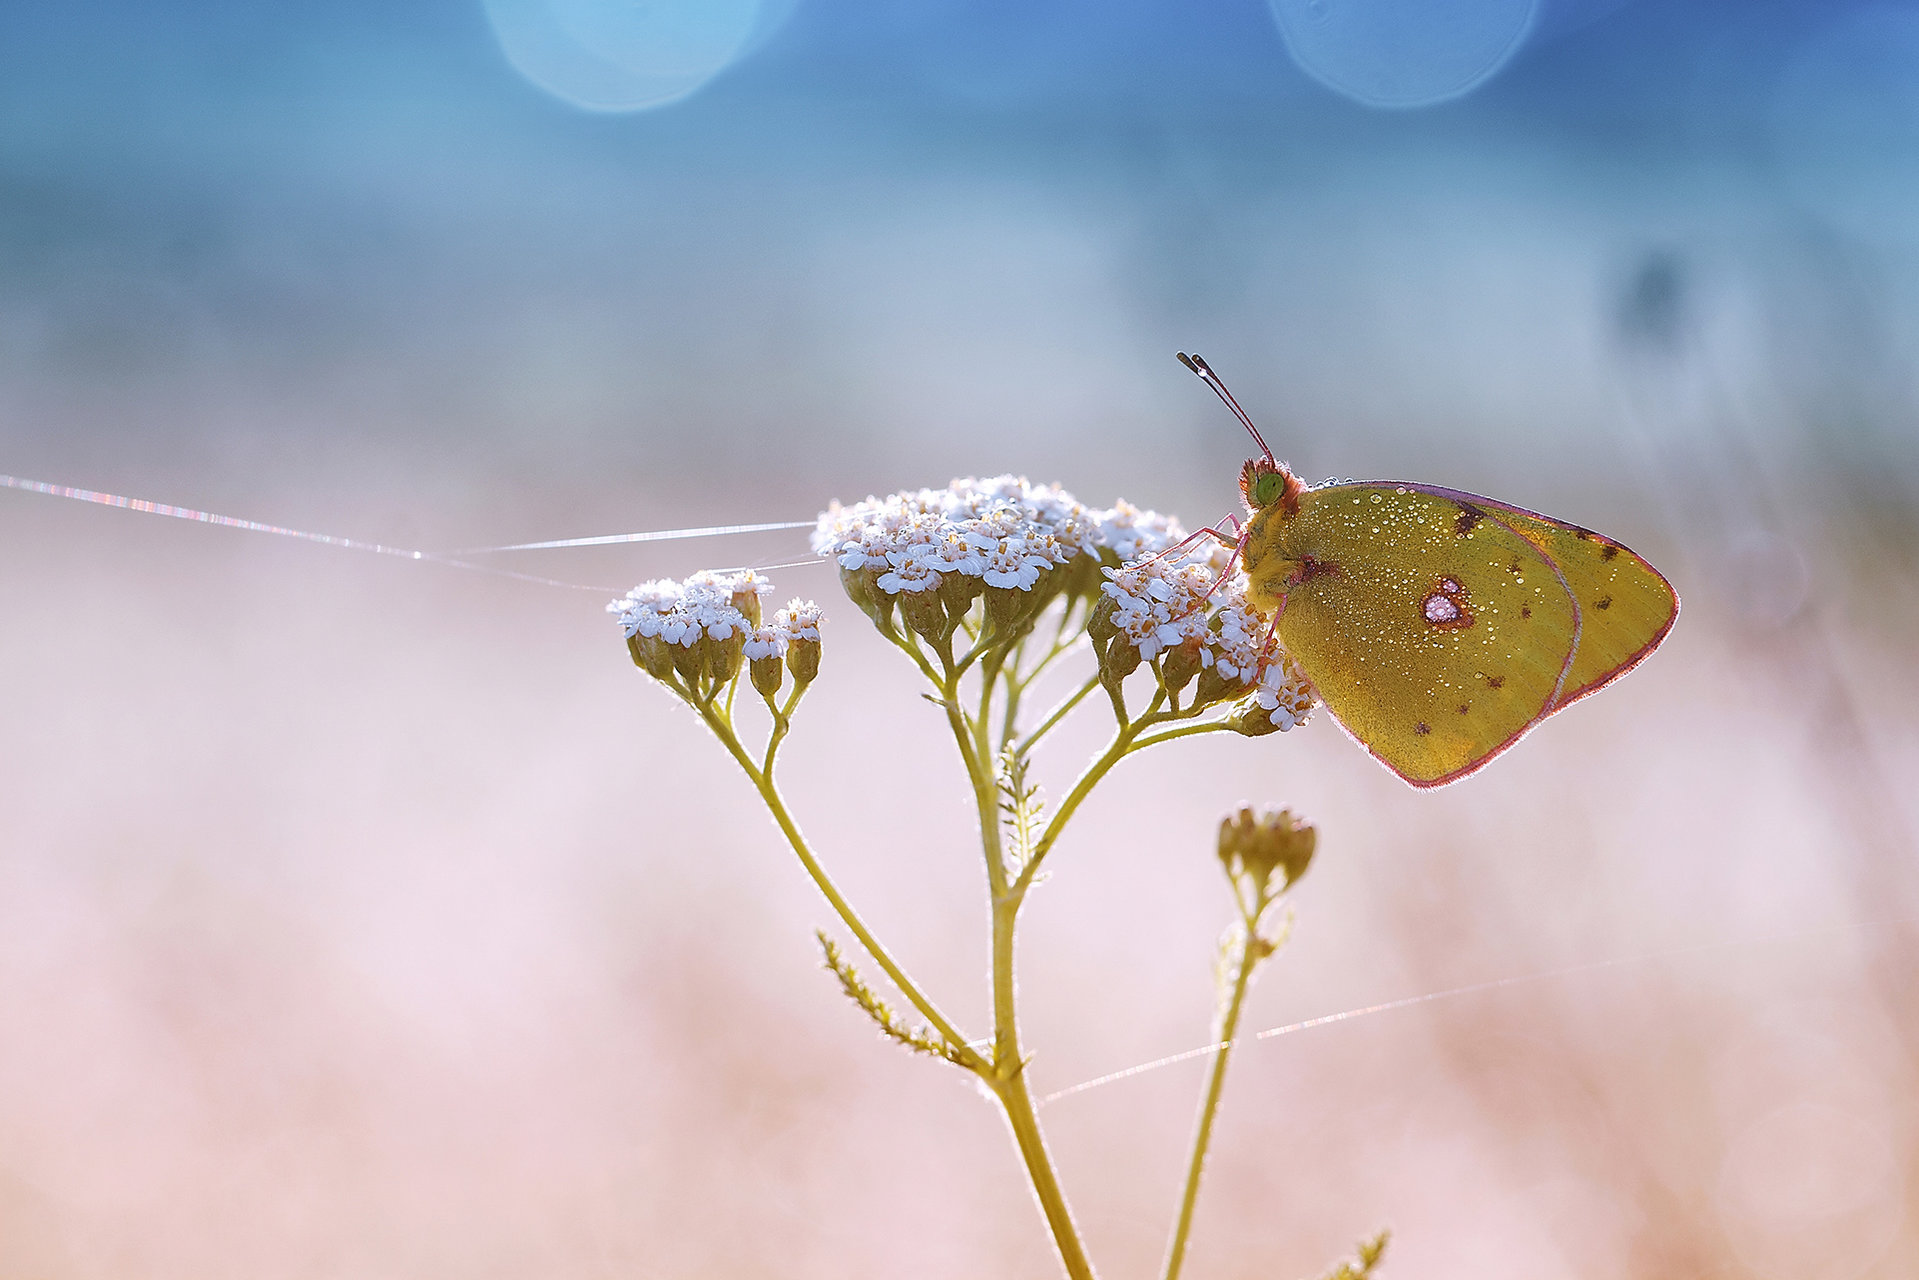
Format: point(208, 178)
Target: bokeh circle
point(619, 55)
point(1403, 53)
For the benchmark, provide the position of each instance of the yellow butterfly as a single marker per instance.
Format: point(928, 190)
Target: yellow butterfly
point(1439, 627)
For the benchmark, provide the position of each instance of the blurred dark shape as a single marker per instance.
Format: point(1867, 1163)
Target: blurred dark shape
point(1654, 307)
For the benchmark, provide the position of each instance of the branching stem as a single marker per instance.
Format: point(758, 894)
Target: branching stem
point(770, 794)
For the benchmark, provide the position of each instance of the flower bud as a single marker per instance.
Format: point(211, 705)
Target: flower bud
point(924, 612)
point(803, 660)
point(1005, 606)
point(1081, 578)
point(1213, 687)
point(686, 661)
point(767, 673)
point(1121, 660)
point(720, 659)
point(1251, 719)
point(863, 589)
point(1100, 626)
point(958, 591)
point(1257, 845)
point(747, 601)
point(651, 655)
point(1180, 666)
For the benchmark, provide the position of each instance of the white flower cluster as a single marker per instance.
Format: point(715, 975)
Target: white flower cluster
point(1286, 693)
point(1004, 531)
point(1159, 604)
point(1162, 604)
point(707, 604)
point(1133, 534)
point(799, 620)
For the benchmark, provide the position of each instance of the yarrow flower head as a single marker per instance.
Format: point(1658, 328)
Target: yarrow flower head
point(1283, 700)
point(924, 556)
point(798, 627)
point(931, 552)
point(702, 629)
point(1194, 616)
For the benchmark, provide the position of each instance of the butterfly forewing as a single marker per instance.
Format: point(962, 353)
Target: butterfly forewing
point(1433, 631)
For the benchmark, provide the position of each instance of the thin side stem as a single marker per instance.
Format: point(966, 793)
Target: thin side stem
point(770, 794)
point(1209, 1108)
point(1082, 787)
point(1114, 753)
point(782, 725)
point(1057, 714)
point(1184, 731)
point(908, 643)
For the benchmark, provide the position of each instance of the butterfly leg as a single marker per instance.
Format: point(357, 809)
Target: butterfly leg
point(1213, 531)
point(1267, 645)
point(1238, 544)
point(1233, 536)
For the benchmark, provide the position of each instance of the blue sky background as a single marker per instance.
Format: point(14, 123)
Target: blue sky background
point(891, 241)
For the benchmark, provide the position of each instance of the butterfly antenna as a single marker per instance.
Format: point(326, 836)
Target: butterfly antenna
point(1199, 366)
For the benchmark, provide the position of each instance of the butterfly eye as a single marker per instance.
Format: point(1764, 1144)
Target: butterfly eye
point(1268, 488)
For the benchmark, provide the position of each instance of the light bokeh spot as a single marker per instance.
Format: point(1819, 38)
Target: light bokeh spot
point(1403, 53)
point(626, 55)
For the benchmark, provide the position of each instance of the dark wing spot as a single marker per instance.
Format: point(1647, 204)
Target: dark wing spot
point(1604, 602)
point(1525, 611)
point(1310, 568)
point(1447, 607)
point(1422, 728)
point(1494, 682)
point(1469, 515)
point(1608, 552)
point(1464, 707)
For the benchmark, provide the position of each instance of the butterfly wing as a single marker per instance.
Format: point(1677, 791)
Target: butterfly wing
point(1627, 607)
point(1435, 632)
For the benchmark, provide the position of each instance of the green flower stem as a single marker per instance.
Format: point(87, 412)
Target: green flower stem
point(1249, 957)
point(1006, 1076)
point(909, 645)
point(1009, 1086)
point(782, 724)
point(770, 794)
point(989, 674)
point(1114, 753)
point(1015, 689)
point(1057, 714)
point(1184, 731)
point(1124, 741)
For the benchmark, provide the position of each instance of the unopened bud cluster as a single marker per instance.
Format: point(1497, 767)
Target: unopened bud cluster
point(1256, 846)
point(697, 635)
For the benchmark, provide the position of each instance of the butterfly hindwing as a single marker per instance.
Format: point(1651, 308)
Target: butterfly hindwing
point(1435, 632)
point(1626, 605)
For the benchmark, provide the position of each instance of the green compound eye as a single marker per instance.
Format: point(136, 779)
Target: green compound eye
point(1267, 488)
